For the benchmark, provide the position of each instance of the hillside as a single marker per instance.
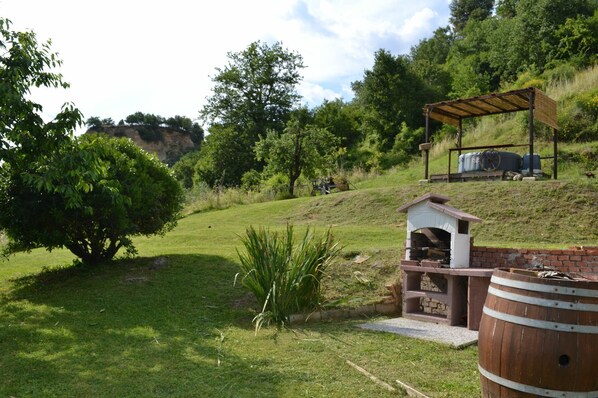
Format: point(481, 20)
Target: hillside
point(533, 214)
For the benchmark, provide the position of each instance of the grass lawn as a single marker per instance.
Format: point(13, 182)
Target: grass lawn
point(171, 323)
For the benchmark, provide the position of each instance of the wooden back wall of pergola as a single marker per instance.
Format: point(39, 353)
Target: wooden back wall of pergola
point(539, 105)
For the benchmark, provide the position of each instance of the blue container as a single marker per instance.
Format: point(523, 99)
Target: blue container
point(509, 161)
point(526, 160)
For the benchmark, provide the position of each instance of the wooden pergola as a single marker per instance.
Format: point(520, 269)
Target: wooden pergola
point(539, 105)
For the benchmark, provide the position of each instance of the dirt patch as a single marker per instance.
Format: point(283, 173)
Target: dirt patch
point(247, 301)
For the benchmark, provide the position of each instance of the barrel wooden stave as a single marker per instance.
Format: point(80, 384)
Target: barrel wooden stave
point(555, 360)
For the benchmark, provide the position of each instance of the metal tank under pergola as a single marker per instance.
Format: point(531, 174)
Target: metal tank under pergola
point(539, 105)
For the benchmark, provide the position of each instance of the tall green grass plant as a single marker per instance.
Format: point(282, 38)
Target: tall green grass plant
point(284, 277)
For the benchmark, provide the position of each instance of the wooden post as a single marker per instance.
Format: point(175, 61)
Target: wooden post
point(448, 176)
point(554, 140)
point(460, 136)
point(531, 133)
point(427, 155)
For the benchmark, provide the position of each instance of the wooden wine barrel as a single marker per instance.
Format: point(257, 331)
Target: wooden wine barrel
point(539, 337)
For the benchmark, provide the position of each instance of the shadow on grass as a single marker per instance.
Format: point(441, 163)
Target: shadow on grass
point(142, 327)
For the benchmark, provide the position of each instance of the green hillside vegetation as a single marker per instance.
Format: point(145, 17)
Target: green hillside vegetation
point(489, 47)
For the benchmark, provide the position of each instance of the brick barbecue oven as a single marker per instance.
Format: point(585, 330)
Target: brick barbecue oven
point(438, 284)
point(437, 232)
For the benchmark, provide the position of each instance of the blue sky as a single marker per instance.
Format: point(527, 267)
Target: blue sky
point(124, 56)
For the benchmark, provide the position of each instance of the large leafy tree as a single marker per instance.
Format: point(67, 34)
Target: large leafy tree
point(302, 149)
point(462, 11)
point(224, 157)
point(390, 94)
point(578, 39)
point(470, 60)
point(340, 119)
point(535, 35)
point(254, 93)
point(24, 63)
point(256, 90)
point(343, 119)
point(90, 196)
point(429, 58)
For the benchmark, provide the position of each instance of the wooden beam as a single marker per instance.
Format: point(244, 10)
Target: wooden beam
point(554, 153)
point(427, 151)
point(531, 134)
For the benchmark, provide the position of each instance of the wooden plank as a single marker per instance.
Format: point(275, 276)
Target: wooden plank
point(373, 378)
point(412, 392)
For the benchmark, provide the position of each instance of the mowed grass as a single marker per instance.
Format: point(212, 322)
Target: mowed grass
point(171, 323)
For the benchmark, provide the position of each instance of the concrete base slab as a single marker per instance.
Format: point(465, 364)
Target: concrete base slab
point(456, 336)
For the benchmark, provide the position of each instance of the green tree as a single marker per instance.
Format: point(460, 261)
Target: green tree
point(462, 11)
point(534, 36)
point(24, 63)
point(428, 61)
point(184, 168)
point(179, 122)
point(93, 123)
point(344, 121)
point(252, 94)
point(470, 60)
point(224, 157)
point(578, 39)
point(184, 123)
point(506, 8)
point(340, 119)
point(390, 94)
point(153, 120)
point(91, 196)
point(135, 118)
point(197, 134)
point(302, 149)
point(256, 90)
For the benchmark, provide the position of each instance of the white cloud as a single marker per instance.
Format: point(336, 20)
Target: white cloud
point(157, 57)
point(314, 94)
point(420, 23)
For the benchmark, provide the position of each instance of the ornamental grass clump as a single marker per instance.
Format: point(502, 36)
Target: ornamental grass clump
point(284, 276)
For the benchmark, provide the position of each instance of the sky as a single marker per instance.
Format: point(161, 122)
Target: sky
point(125, 56)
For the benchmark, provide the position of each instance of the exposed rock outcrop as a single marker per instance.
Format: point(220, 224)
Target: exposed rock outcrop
point(167, 143)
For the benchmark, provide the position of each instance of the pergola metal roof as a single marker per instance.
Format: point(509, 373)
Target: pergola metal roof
point(491, 104)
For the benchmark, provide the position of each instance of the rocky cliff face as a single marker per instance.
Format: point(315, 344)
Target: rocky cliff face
point(167, 143)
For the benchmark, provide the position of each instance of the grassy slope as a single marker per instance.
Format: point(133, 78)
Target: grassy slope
point(142, 328)
point(171, 323)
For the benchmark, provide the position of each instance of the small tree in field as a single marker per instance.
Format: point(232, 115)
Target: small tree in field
point(299, 150)
point(90, 197)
